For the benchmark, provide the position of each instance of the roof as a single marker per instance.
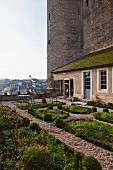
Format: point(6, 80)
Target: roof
point(96, 59)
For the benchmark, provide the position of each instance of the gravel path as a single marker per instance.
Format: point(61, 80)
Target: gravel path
point(104, 157)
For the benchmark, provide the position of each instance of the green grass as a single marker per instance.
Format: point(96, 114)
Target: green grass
point(94, 59)
point(104, 116)
point(98, 133)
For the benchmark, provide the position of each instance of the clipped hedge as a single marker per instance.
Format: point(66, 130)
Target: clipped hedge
point(35, 126)
point(90, 163)
point(47, 118)
point(77, 109)
point(94, 109)
point(25, 121)
point(59, 123)
point(104, 116)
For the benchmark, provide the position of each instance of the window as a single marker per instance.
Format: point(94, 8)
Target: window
point(103, 79)
point(49, 16)
point(87, 2)
point(49, 41)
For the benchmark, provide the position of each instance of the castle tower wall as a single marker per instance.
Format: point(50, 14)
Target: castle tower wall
point(98, 24)
point(65, 38)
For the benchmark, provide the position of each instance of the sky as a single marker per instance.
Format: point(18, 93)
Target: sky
point(23, 38)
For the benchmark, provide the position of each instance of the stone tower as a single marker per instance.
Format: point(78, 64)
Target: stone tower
point(77, 28)
point(97, 25)
point(65, 28)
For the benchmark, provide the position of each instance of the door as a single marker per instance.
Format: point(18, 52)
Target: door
point(87, 85)
point(71, 87)
point(66, 88)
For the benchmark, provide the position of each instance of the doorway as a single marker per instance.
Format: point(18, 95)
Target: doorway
point(71, 87)
point(87, 85)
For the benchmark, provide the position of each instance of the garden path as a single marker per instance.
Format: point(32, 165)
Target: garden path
point(104, 157)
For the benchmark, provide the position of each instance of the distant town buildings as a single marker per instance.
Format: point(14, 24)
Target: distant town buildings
point(11, 87)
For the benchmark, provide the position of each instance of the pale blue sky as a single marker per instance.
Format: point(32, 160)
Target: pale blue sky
point(23, 38)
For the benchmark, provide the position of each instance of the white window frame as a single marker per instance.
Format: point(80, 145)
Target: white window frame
point(82, 82)
point(98, 80)
point(112, 79)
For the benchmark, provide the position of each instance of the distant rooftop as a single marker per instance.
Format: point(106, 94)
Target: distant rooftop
point(96, 59)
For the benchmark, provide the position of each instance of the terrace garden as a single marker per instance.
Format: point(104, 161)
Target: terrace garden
point(25, 146)
point(96, 132)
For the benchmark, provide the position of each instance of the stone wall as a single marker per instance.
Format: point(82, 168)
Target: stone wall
point(98, 25)
point(23, 97)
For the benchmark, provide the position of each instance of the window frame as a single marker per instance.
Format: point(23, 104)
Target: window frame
point(82, 82)
point(99, 89)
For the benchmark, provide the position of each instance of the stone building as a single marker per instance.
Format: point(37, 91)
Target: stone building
point(80, 53)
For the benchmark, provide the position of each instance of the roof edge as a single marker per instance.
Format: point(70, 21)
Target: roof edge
point(84, 68)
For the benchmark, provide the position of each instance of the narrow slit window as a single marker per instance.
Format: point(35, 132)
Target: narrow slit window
point(87, 2)
point(49, 16)
point(49, 41)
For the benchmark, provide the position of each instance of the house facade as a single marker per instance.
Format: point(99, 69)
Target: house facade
point(89, 78)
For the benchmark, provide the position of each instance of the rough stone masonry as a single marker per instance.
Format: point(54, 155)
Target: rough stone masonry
point(77, 28)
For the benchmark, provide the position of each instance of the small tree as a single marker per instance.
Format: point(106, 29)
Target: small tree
point(43, 100)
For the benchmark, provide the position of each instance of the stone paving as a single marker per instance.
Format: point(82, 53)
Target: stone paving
point(104, 157)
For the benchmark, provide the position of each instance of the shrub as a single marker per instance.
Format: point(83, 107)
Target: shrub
point(91, 103)
point(50, 107)
point(72, 103)
point(43, 100)
point(105, 110)
point(94, 109)
point(59, 107)
point(67, 114)
point(90, 163)
point(110, 105)
point(35, 126)
point(41, 110)
point(59, 123)
point(35, 157)
point(14, 111)
point(25, 121)
point(47, 118)
point(30, 111)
